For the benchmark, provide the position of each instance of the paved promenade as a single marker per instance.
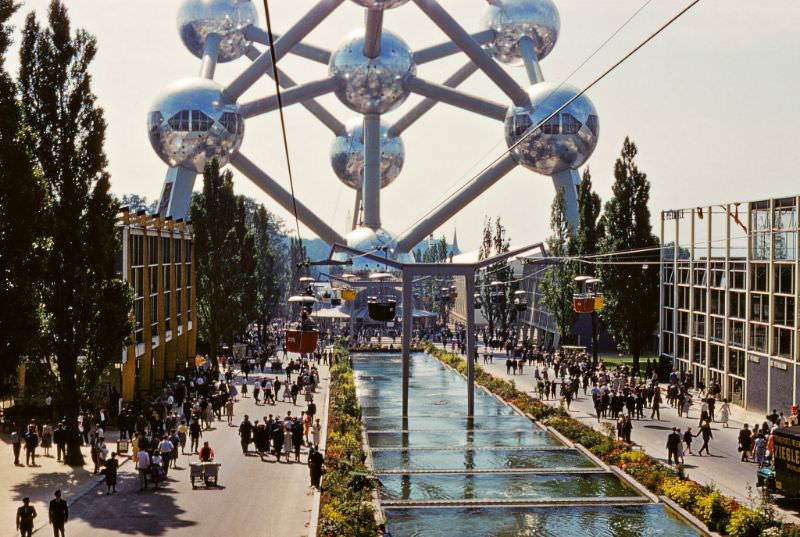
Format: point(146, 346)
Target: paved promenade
point(723, 468)
point(269, 499)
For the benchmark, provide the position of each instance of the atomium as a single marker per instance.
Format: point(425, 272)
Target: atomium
point(566, 141)
point(372, 85)
point(189, 124)
point(512, 20)
point(347, 155)
point(197, 19)
point(372, 72)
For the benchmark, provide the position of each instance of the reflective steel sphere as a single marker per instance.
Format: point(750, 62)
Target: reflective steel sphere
point(347, 155)
point(373, 241)
point(513, 19)
point(380, 4)
point(226, 18)
point(189, 124)
point(566, 141)
point(372, 85)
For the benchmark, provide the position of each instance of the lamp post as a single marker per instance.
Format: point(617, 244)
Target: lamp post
point(589, 300)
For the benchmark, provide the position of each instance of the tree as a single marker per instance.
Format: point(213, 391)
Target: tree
point(441, 302)
point(588, 236)
point(86, 305)
point(497, 300)
point(558, 282)
point(269, 272)
point(218, 255)
point(246, 274)
point(631, 290)
point(136, 203)
point(22, 210)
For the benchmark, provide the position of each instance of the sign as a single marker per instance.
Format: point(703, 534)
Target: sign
point(787, 461)
point(122, 447)
point(673, 214)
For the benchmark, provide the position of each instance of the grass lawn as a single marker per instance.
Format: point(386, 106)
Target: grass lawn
point(614, 361)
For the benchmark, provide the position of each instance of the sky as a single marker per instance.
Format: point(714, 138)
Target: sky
point(711, 104)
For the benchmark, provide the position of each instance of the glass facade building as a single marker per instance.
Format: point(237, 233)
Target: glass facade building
point(729, 298)
point(157, 260)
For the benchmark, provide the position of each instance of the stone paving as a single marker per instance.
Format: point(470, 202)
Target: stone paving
point(273, 499)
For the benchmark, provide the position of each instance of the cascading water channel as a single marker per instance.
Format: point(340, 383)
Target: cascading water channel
point(497, 473)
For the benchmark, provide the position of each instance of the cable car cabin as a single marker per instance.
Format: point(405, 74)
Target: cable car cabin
point(583, 303)
point(520, 304)
point(477, 301)
point(336, 299)
point(302, 341)
point(599, 301)
point(381, 310)
point(348, 294)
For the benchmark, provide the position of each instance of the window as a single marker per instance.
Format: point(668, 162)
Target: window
point(784, 279)
point(683, 347)
point(736, 333)
point(683, 275)
point(178, 257)
point(784, 310)
point(683, 322)
point(758, 277)
point(783, 342)
point(166, 253)
point(736, 361)
point(717, 302)
point(181, 121)
point(716, 359)
point(699, 352)
point(669, 274)
point(700, 276)
point(683, 298)
point(699, 300)
point(759, 308)
point(551, 126)
point(758, 338)
point(570, 125)
point(699, 325)
point(593, 124)
point(233, 123)
point(669, 320)
point(738, 276)
point(738, 305)
point(718, 329)
point(668, 296)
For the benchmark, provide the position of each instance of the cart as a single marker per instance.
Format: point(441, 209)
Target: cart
point(205, 472)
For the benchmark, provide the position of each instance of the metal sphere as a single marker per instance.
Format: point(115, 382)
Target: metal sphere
point(197, 19)
point(513, 19)
point(564, 142)
point(189, 124)
point(373, 241)
point(372, 85)
point(347, 155)
point(380, 4)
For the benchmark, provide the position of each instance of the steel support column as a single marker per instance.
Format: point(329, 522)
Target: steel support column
point(176, 194)
point(458, 99)
point(371, 188)
point(469, 290)
point(210, 55)
point(408, 320)
point(295, 95)
point(531, 60)
point(569, 181)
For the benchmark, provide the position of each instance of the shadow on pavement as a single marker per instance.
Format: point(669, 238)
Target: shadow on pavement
point(151, 512)
point(50, 481)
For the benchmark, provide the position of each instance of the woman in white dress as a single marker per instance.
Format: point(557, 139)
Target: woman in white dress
point(724, 412)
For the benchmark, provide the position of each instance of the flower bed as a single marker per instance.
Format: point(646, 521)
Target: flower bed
point(346, 507)
point(718, 512)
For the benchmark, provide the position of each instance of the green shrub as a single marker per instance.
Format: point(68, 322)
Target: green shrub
point(745, 522)
point(714, 510)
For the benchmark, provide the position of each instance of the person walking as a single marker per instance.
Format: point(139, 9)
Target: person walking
point(60, 440)
point(110, 472)
point(143, 466)
point(673, 440)
point(229, 410)
point(315, 462)
point(58, 513)
point(25, 515)
point(245, 433)
point(705, 432)
point(316, 431)
point(16, 444)
point(724, 413)
point(688, 436)
point(744, 442)
point(656, 405)
point(31, 443)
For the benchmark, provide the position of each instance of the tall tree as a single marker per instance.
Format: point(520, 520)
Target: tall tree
point(268, 270)
point(246, 274)
point(217, 251)
point(631, 290)
point(558, 282)
point(22, 209)
point(587, 239)
point(441, 301)
point(498, 299)
point(86, 304)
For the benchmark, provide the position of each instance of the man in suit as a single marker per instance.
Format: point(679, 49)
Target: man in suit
point(58, 514)
point(25, 516)
point(673, 442)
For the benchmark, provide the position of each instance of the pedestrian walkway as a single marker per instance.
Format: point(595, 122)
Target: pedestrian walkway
point(273, 499)
point(723, 469)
